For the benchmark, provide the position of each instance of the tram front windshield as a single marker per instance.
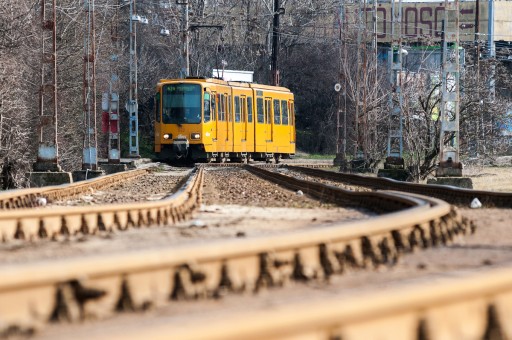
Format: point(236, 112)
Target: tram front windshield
point(181, 104)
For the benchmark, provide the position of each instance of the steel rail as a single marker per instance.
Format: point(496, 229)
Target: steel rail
point(30, 198)
point(469, 306)
point(32, 224)
point(450, 194)
point(265, 165)
point(97, 286)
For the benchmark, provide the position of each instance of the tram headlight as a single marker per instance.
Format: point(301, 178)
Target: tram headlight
point(195, 136)
point(167, 136)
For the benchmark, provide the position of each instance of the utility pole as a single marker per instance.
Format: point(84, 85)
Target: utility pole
point(89, 157)
point(479, 120)
point(275, 44)
point(449, 164)
point(46, 169)
point(357, 155)
point(341, 141)
point(110, 102)
point(364, 121)
point(395, 139)
point(48, 151)
point(185, 39)
point(375, 38)
point(394, 166)
point(492, 49)
point(132, 105)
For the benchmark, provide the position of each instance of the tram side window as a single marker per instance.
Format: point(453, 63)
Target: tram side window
point(230, 109)
point(206, 105)
point(284, 112)
point(214, 106)
point(277, 112)
point(268, 108)
point(292, 114)
point(249, 109)
point(259, 109)
point(157, 107)
point(237, 109)
point(222, 108)
point(243, 108)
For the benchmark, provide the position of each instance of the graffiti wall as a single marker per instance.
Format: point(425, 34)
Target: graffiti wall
point(423, 21)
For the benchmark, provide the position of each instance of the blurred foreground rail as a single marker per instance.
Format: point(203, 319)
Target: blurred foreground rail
point(469, 306)
point(74, 289)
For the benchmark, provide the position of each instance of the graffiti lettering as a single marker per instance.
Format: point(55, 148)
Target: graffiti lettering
point(381, 16)
point(410, 25)
point(419, 19)
point(424, 20)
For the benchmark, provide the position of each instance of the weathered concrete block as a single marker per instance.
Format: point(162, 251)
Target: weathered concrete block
point(39, 179)
point(396, 174)
point(461, 182)
point(82, 175)
point(113, 168)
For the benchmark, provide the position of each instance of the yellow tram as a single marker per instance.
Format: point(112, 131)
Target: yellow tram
point(204, 119)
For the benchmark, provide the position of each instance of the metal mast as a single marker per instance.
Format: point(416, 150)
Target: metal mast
point(357, 154)
point(89, 157)
point(341, 140)
point(47, 153)
point(185, 37)
point(449, 164)
point(132, 105)
point(375, 38)
point(395, 56)
point(110, 102)
point(275, 45)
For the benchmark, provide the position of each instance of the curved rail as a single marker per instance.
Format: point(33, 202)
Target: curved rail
point(50, 223)
point(29, 198)
point(448, 193)
point(96, 286)
point(467, 307)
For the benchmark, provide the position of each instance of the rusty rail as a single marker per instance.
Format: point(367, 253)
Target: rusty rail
point(97, 286)
point(448, 193)
point(50, 223)
point(467, 307)
point(29, 198)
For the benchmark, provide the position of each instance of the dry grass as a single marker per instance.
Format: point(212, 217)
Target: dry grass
point(490, 178)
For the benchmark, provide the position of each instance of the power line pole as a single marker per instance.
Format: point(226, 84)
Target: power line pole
point(132, 105)
point(394, 166)
point(185, 39)
point(357, 82)
point(275, 44)
point(341, 141)
point(48, 151)
point(375, 38)
point(479, 120)
point(449, 164)
point(110, 102)
point(395, 133)
point(364, 122)
point(89, 157)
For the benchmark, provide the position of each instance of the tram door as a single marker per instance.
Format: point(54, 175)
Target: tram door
point(268, 125)
point(222, 133)
point(243, 120)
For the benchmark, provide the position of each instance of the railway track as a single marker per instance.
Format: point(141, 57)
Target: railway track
point(33, 224)
point(449, 194)
point(31, 198)
point(76, 289)
point(465, 307)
